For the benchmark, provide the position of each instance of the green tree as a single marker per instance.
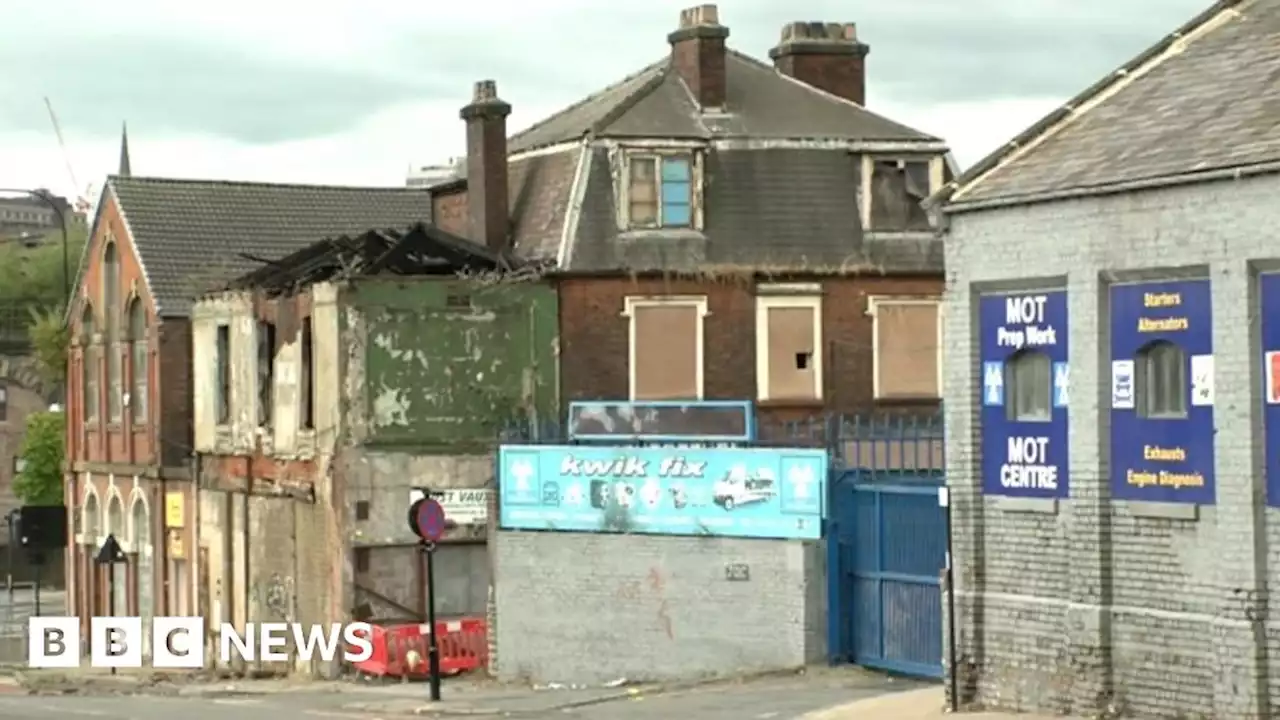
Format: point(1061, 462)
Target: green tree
point(40, 482)
point(32, 297)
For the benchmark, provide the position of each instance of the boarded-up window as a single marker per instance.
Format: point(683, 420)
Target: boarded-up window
point(907, 351)
point(665, 352)
point(789, 343)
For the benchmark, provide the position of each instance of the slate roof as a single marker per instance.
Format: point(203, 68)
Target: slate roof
point(781, 207)
point(1204, 98)
point(193, 235)
point(760, 103)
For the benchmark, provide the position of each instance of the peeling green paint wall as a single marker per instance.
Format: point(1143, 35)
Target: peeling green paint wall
point(450, 363)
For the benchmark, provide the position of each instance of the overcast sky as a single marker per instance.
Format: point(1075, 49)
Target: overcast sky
point(353, 92)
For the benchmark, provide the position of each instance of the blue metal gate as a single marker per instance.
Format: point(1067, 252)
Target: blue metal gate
point(887, 544)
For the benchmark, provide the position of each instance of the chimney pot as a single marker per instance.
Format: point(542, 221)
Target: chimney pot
point(702, 15)
point(827, 56)
point(486, 163)
point(698, 54)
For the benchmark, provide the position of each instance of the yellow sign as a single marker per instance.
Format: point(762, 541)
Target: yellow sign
point(177, 548)
point(174, 510)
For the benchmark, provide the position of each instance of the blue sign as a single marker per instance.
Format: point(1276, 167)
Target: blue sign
point(1023, 353)
point(1269, 292)
point(1162, 392)
point(670, 423)
point(739, 492)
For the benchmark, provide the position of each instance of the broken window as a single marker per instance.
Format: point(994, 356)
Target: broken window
point(907, 351)
point(666, 348)
point(1161, 372)
point(1028, 377)
point(306, 393)
point(660, 191)
point(789, 346)
point(138, 351)
point(898, 187)
point(266, 371)
point(4, 403)
point(222, 362)
point(89, 363)
point(362, 559)
point(362, 509)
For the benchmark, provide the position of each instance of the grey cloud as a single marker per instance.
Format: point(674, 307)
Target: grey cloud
point(923, 51)
point(181, 86)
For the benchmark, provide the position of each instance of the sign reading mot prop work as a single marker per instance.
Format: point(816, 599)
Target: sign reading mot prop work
point(1269, 294)
point(1162, 392)
point(1025, 384)
point(741, 492)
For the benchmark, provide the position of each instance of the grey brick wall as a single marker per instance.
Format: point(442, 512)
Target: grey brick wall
point(1087, 604)
point(591, 608)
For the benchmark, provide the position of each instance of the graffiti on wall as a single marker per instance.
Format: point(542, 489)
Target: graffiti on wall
point(276, 597)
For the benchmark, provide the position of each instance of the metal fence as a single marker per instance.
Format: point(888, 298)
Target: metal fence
point(17, 605)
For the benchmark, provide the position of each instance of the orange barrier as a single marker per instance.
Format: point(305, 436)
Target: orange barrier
point(401, 650)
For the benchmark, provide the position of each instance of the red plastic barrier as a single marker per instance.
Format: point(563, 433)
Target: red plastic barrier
point(401, 650)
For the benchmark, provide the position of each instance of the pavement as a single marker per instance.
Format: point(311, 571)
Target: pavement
point(44, 695)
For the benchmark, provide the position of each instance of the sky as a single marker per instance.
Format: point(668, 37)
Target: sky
point(350, 92)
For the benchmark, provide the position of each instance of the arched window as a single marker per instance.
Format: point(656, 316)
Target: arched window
point(139, 354)
point(1161, 375)
point(89, 363)
point(111, 308)
point(1028, 381)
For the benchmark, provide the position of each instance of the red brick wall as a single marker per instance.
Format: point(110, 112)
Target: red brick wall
point(125, 442)
point(594, 337)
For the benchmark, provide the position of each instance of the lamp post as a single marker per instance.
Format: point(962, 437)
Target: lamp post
point(46, 197)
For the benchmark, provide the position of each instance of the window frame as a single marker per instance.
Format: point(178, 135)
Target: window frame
point(222, 412)
point(1143, 360)
point(1011, 364)
point(264, 336)
point(698, 302)
point(874, 303)
point(90, 372)
point(693, 156)
point(4, 401)
point(937, 172)
point(139, 385)
point(307, 376)
point(788, 296)
point(111, 297)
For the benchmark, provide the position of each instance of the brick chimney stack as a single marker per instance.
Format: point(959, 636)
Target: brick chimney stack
point(697, 53)
point(827, 56)
point(488, 217)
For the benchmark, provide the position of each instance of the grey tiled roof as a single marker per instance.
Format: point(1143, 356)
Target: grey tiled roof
point(191, 235)
point(760, 103)
point(1204, 98)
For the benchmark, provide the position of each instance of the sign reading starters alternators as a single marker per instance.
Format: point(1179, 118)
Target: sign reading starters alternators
point(426, 519)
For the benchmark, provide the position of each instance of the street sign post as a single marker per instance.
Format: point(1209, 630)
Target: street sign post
point(111, 554)
point(428, 522)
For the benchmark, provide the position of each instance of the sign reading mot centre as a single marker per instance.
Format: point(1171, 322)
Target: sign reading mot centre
point(1023, 353)
point(743, 492)
point(1162, 392)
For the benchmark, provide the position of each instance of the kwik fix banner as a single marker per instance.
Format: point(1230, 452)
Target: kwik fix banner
point(742, 492)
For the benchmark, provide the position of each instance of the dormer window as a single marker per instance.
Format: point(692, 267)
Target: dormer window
point(661, 190)
point(893, 189)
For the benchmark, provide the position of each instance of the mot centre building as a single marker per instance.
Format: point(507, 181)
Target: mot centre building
point(1113, 390)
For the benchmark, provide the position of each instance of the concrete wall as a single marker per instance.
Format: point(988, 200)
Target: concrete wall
point(1093, 603)
point(591, 608)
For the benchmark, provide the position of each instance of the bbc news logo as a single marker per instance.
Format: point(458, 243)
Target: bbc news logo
point(179, 642)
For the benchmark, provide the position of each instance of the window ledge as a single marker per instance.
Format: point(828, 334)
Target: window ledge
point(899, 234)
point(798, 403)
point(637, 234)
point(908, 400)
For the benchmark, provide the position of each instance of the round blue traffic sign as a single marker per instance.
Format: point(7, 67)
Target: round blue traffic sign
point(429, 519)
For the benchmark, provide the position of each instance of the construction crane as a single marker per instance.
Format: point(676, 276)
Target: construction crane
point(82, 203)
